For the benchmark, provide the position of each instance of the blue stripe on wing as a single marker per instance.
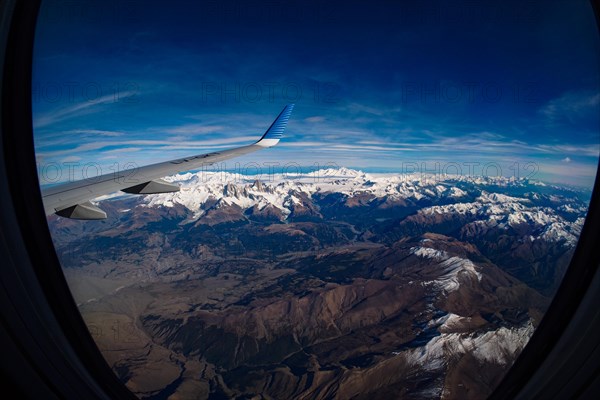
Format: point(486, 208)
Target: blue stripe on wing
point(276, 129)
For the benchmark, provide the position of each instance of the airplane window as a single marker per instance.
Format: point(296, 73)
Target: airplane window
point(312, 200)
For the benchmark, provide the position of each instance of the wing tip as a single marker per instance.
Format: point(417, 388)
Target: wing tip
point(275, 132)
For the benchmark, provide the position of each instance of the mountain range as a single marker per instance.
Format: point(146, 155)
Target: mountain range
point(331, 284)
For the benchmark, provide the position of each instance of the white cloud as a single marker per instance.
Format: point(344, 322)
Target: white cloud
point(96, 132)
point(194, 129)
point(163, 145)
point(364, 109)
point(70, 159)
point(590, 150)
point(82, 108)
point(566, 159)
point(572, 105)
point(316, 118)
point(122, 150)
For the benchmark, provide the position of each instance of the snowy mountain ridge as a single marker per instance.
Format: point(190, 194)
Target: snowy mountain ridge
point(205, 190)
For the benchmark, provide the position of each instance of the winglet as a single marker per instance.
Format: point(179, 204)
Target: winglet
point(275, 131)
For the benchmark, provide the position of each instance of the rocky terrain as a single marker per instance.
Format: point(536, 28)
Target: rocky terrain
point(332, 284)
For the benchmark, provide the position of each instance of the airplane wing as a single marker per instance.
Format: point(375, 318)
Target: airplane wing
point(72, 200)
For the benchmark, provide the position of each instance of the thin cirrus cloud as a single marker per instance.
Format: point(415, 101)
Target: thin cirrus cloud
point(459, 145)
point(71, 159)
point(77, 110)
point(591, 150)
point(194, 129)
point(108, 147)
point(95, 132)
point(572, 105)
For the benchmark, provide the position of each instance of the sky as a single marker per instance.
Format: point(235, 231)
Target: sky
point(382, 86)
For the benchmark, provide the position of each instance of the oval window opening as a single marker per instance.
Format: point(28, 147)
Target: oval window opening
point(297, 200)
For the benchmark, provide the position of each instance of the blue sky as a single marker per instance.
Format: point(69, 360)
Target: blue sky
point(389, 86)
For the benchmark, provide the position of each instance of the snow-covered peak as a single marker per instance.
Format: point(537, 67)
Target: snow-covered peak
point(342, 172)
point(285, 191)
point(428, 252)
point(498, 210)
point(487, 197)
point(451, 270)
point(494, 346)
